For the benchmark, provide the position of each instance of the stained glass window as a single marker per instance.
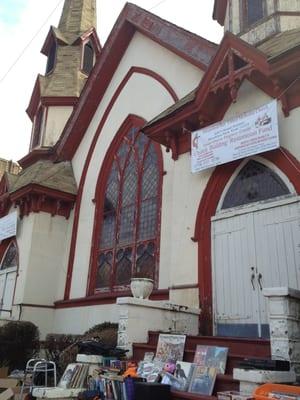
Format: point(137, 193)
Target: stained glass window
point(255, 182)
point(10, 258)
point(129, 232)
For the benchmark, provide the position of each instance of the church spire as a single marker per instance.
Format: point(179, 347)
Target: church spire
point(71, 50)
point(78, 16)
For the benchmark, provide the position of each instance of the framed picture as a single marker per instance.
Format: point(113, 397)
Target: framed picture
point(170, 347)
point(203, 380)
point(211, 356)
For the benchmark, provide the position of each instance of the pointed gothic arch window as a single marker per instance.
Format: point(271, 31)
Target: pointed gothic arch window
point(10, 257)
point(8, 276)
point(51, 58)
point(88, 57)
point(255, 182)
point(128, 230)
point(37, 128)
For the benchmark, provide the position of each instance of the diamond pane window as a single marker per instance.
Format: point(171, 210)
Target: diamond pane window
point(255, 182)
point(10, 258)
point(129, 225)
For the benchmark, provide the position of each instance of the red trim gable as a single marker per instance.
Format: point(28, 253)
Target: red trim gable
point(234, 62)
point(187, 45)
point(219, 12)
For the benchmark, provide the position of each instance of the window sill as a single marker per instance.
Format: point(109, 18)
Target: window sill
point(107, 298)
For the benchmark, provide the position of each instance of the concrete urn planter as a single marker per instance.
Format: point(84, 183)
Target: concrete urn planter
point(141, 288)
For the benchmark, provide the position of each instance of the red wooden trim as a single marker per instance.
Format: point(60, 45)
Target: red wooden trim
point(190, 47)
point(287, 163)
point(59, 101)
point(36, 155)
point(36, 305)
point(130, 122)
point(36, 198)
point(68, 143)
point(107, 298)
point(89, 157)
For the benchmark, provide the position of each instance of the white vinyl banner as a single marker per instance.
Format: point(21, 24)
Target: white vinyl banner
point(8, 226)
point(250, 133)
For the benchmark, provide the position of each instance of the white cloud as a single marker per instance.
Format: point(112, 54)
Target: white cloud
point(16, 88)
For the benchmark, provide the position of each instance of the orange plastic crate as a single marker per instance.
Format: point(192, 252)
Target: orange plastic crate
point(263, 391)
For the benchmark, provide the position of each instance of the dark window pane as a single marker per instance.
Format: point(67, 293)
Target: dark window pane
point(51, 58)
point(108, 230)
point(148, 219)
point(255, 11)
point(127, 222)
point(130, 182)
point(88, 58)
point(151, 174)
point(140, 145)
point(122, 154)
point(255, 182)
point(113, 187)
point(123, 266)
point(145, 263)
point(104, 270)
point(37, 131)
point(10, 258)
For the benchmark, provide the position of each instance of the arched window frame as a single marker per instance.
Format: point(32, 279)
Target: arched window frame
point(6, 274)
point(51, 60)
point(131, 122)
point(5, 245)
point(37, 128)
point(83, 56)
point(264, 162)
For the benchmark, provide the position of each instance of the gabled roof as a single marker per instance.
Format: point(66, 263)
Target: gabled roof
point(187, 45)
point(235, 61)
point(244, 59)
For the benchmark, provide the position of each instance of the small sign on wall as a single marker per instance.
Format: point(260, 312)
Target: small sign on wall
point(250, 133)
point(8, 226)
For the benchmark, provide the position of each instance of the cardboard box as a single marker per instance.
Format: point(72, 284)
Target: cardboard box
point(3, 372)
point(6, 383)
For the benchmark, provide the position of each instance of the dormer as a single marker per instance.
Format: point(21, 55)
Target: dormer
point(256, 21)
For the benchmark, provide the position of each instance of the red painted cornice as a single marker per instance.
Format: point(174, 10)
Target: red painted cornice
point(189, 46)
point(107, 298)
point(36, 198)
point(219, 12)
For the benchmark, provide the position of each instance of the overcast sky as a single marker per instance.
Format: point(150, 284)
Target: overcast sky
point(24, 25)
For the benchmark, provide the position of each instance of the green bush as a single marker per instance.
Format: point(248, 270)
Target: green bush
point(19, 341)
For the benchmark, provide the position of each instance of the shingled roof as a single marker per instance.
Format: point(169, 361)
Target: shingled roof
point(58, 176)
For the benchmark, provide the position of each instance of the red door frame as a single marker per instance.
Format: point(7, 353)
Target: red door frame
point(287, 163)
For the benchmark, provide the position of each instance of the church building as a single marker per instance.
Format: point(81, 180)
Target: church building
point(106, 190)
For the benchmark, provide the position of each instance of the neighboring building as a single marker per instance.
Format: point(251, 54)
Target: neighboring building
point(8, 166)
point(98, 200)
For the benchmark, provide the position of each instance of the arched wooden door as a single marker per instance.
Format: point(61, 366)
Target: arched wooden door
point(255, 244)
point(287, 168)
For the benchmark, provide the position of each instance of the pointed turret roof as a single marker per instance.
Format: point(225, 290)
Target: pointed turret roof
point(78, 16)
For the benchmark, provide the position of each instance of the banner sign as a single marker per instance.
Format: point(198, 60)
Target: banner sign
point(8, 226)
point(250, 133)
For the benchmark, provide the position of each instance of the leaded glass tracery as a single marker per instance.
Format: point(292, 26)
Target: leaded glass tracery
point(10, 258)
point(128, 237)
point(255, 182)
